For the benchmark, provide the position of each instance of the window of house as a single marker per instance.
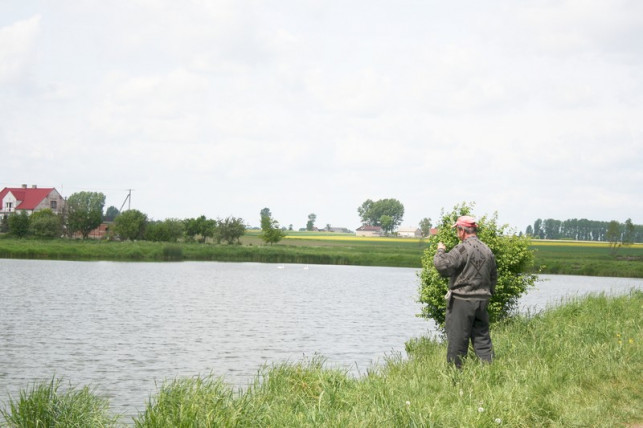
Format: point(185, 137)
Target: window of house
point(54, 204)
point(8, 206)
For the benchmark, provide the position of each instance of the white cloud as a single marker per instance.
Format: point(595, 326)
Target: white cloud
point(17, 42)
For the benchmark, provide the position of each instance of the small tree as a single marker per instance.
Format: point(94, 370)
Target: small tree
point(310, 225)
point(130, 225)
point(425, 227)
point(19, 224)
point(200, 227)
point(84, 212)
point(230, 230)
point(271, 233)
point(45, 224)
point(111, 213)
point(529, 231)
point(513, 258)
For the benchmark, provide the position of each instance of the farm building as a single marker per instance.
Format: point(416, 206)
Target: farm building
point(369, 231)
point(30, 199)
point(409, 232)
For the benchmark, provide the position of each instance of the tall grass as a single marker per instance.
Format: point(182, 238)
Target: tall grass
point(47, 405)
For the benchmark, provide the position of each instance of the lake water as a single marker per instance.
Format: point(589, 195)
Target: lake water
point(124, 328)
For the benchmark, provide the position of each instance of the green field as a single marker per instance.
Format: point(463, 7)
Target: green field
point(588, 258)
point(555, 257)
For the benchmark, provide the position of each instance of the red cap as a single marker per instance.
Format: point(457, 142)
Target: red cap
point(466, 221)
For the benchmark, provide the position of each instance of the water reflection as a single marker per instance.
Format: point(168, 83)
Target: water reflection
point(121, 327)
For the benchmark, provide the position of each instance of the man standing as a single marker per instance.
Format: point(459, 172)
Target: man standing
point(471, 268)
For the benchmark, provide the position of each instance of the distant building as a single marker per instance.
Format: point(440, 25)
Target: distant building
point(101, 232)
point(30, 199)
point(409, 232)
point(369, 231)
point(339, 230)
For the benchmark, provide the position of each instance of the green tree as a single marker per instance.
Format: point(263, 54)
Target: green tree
point(310, 225)
point(200, 228)
point(230, 230)
point(529, 231)
point(45, 224)
point(513, 257)
point(130, 225)
point(386, 221)
point(371, 212)
point(84, 212)
point(271, 233)
point(18, 224)
point(111, 213)
point(551, 228)
point(425, 227)
point(538, 231)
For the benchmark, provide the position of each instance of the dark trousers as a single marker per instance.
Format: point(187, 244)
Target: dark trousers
point(468, 320)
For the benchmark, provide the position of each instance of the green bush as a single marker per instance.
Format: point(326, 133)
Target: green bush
point(513, 257)
point(18, 224)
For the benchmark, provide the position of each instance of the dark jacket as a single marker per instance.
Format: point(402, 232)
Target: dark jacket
point(471, 268)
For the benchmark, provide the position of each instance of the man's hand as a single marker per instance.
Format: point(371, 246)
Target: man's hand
point(441, 246)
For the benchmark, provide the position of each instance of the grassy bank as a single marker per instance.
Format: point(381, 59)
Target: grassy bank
point(588, 258)
point(576, 365)
point(396, 253)
point(556, 257)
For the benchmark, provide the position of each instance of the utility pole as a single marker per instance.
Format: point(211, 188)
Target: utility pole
point(128, 199)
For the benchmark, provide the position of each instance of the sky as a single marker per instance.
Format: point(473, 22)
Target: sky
point(528, 109)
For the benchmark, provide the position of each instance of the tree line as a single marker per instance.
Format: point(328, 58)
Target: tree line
point(83, 213)
point(586, 230)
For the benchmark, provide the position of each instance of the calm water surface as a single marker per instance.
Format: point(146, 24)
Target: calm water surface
point(124, 328)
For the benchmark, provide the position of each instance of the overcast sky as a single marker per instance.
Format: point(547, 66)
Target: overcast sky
point(531, 109)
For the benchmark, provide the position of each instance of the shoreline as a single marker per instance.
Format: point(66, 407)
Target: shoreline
point(577, 258)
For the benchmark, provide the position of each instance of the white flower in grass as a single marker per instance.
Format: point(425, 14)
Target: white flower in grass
point(498, 420)
point(480, 409)
point(408, 403)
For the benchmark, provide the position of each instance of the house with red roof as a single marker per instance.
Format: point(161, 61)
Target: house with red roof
point(30, 200)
